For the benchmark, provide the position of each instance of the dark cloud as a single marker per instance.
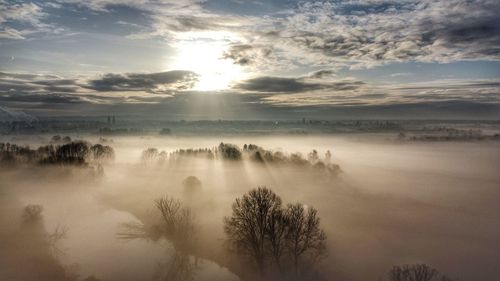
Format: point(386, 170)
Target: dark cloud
point(266, 95)
point(322, 73)
point(162, 82)
point(34, 83)
point(49, 90)
point(5, 75)
point(452, 84)
point(268, 84)
point(277, 85)
point(246, 54)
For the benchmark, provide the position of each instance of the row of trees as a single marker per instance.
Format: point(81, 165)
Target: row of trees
point(251, 152)
point(275, 237)
point(73, 153)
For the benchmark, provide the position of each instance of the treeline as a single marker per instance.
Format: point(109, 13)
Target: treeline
point(449, 134)
point(72, 153)
point(232, 152)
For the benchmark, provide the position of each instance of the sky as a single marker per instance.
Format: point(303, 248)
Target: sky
point(237, 59)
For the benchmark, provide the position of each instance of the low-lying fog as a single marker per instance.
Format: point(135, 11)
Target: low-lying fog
point(393, 203)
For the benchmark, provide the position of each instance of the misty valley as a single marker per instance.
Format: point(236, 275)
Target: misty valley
point(326, 207)
point(249, 140)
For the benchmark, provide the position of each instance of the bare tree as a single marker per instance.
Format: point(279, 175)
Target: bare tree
point(414, 272)
point(247, 227)
point(178, 223)
point(398, 273)
point(277, 227)
point(32, 213)
point(422, 272)
point(262, 230)
point(304, 236)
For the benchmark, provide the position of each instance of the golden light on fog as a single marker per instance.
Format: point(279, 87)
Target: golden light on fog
point(202, 52)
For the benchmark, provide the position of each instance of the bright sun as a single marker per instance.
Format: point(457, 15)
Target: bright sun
point(205, 57)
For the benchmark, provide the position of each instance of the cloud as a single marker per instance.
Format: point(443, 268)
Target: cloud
point(162, 82)
point(323, 73)
point(13, 115)
point(335, 34)
point(352, 92)
point(399, 74)
point(27, 16)
point(268, 84)
point(23, 89)
point(272, 96)
point(246, 54)
point(428, 31)
point(361, 34)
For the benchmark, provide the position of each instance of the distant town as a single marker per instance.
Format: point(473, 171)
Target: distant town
point(413, 130)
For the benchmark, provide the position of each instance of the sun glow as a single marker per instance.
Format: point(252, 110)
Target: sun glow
point(203, 54)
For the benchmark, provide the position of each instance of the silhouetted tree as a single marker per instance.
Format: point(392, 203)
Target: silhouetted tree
point(247, 227)
point(260, 229)
point(277, 228)
point(191, 185)
point(149, 155)
point(229, 151)
point(304, 236)
point(101, 152)
point(32, 213)
point(328, 157)
point(313, 156)
point(177, 222)
point(415, 272)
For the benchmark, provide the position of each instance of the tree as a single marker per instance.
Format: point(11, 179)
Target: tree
point(277, 227)
point(415, 272)
point(99, 153)
point(262, 230)
point(191, 185)
point(247, 227)
point(229, 151)
point(328, 157)
point(177, 223)
point(313, 156)
point(32, 213)
point(304, 236)
point(149, 155)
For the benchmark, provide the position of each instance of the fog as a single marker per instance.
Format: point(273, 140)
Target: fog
point(391, 203)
